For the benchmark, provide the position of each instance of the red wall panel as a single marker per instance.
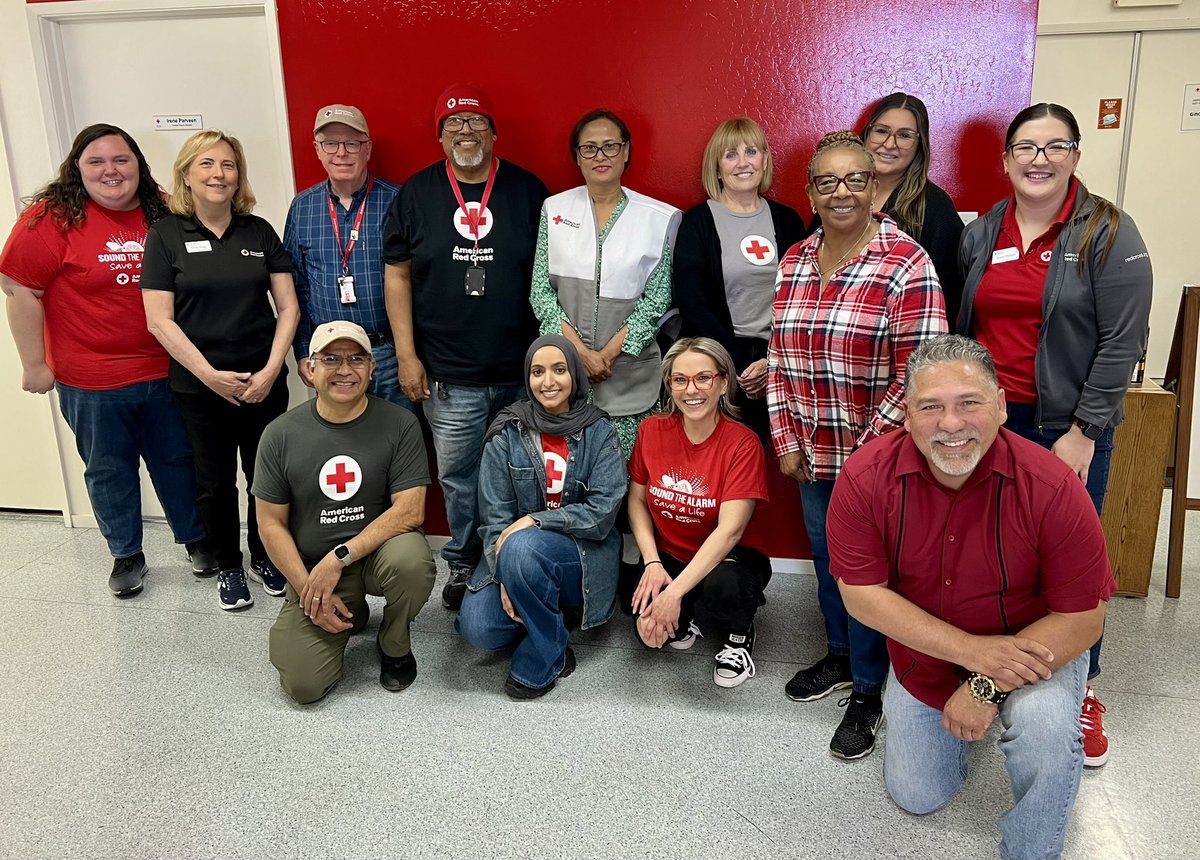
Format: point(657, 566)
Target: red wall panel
point(672, 69)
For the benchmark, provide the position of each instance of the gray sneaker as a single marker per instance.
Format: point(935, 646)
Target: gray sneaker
point(455, 588)
point(126, 577)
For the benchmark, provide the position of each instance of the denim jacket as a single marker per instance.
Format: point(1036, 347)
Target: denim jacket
point(512, 483)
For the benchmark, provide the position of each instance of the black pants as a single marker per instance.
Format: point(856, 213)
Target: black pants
point(726, 599)
point(219, 432)
point(754, 412)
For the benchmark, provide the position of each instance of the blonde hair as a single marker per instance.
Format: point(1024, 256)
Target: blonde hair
point(721, 358)
point(729, 135)
point(844, 139)
point(182, 202)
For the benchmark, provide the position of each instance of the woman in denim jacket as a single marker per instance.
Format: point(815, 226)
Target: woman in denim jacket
point(550, 483)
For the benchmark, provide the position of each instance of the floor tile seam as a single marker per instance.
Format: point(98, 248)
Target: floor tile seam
point(118, 606)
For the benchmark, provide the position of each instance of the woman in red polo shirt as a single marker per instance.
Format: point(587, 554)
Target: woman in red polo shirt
point(696, 477)
point(1058, 286)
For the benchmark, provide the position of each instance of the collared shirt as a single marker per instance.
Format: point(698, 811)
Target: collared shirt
point(309, 240)
point(1008, 303)
point(1019, 540)
point(837, 354)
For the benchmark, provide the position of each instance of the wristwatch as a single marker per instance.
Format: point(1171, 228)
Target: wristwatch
point(984, 690)
point(1091, 431)
point(342, 553)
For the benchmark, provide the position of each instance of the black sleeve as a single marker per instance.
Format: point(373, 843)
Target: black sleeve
point(697, 258)
point(940, 236)
point(789, 226)
point(278, 259)
point(158, 271)
point(397, 228)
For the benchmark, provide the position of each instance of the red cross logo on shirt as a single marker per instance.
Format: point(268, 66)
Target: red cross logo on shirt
point(466, 220)
point(472, 216)
point(556, 473)
point(553, 473)
point(558, 219)
point(340, 477)
point(758, 250)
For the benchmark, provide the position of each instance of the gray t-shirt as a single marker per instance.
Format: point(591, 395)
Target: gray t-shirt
point(749, 259)
point(338, 478)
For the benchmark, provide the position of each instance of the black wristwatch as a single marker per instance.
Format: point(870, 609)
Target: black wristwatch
point(984, 690)
point(342, 553)
point(1091, 431)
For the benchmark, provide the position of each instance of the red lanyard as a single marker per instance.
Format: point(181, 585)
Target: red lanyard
point(474, 218)
point(358, 219)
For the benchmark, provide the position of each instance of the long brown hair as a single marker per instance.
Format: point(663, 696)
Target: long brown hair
point(910, 193)
point(66, 197)
point(1105, 214)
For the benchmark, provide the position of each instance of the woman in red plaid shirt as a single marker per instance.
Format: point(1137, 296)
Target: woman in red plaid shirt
point(852, 301)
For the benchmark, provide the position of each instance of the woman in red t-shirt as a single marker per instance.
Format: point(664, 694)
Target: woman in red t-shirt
point(70, 271)
point(697, 475)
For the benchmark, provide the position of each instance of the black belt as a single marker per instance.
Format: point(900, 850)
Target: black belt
point(379, 339)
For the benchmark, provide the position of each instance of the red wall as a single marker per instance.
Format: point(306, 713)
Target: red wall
point(672, 69)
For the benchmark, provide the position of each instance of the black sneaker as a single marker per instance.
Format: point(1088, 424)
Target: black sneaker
point(455, 588)
point(855, 737)
point(126, 577)
point(829, 673)
point(397, 673)
point(685, 640)
point(232, 591)
point(273, 581)
point(204, 561)
point(516, 690)
point(733, 663)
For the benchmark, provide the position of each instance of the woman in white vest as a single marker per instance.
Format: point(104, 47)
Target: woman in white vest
point(602, 274)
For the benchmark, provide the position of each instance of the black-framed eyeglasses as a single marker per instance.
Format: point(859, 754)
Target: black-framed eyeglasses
point(332, 146)
point(906, 138)
point(703, 381)
point(456, 123)
point(611, 149)
point(1055, 151)
point(358, 361)
point(827, 183)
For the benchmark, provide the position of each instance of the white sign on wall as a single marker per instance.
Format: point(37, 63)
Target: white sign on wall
point(1190, 121)
point(179, 122)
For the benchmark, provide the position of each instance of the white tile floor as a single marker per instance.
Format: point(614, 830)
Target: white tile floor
point(154, 728)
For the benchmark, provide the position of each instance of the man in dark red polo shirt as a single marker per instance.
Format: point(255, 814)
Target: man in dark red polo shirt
point(980, 556)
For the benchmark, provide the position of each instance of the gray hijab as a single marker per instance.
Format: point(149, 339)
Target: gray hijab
point(579, 415)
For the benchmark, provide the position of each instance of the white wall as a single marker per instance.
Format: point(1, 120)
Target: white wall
point(1078, 16)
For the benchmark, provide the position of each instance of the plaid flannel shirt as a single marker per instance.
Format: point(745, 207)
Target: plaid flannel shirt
point(837, 355)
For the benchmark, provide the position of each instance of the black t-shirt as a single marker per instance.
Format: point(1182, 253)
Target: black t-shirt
point(338, 478)
point(468, 340)
point(221, 289)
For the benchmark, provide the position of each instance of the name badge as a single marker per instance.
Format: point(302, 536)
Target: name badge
point(198, 247)
point(1007, 255)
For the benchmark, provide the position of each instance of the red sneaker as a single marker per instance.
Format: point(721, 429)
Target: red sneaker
point(1095, 739)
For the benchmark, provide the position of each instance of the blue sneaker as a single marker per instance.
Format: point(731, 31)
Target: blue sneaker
point(232, 591)
point(273, 581)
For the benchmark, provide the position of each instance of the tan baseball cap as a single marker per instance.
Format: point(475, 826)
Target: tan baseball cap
point(338, 330)
point(345, 114)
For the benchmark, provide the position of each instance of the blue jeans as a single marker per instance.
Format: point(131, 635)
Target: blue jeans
point(385, 382)
point(1021, 421)
point(924, 765)
point(458, 416)
point(541, 572)
point(113, 430)
point(847, 635)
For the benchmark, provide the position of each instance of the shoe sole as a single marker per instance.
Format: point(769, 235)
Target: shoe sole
point(821, 694)
point(206, 572)
point(127, 592)
point(397, 688)
point(683, 644)
point(864, 753)
point(236, 606)
point(1095, 761)
point(729, 683)
point(253, 574)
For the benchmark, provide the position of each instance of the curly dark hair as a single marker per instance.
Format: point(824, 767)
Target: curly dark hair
point(66, 197)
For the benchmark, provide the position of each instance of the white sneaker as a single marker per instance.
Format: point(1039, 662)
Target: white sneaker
point(688, 639)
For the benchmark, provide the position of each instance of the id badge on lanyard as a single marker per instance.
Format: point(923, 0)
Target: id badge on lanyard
point(475, 279)
point(345, 283)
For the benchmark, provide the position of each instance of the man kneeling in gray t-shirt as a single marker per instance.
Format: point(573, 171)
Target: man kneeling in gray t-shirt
point(340, 490)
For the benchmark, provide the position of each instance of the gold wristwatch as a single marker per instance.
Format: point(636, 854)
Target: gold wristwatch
point(984, 690)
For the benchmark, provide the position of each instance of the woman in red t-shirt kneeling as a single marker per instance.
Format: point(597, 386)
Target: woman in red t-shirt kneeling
point(697, 475)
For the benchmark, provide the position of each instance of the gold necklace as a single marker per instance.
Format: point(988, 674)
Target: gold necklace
point(842, 258)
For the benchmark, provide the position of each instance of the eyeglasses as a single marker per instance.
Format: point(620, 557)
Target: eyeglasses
point(702, 381)
point(1055, 151)
point(358, 361)
point(332, 146)
point(906, 138)
point(857, 181)
point(476, 123)
point(590, 150)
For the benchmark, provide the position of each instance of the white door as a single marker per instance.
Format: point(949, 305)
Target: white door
point(119, 62)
